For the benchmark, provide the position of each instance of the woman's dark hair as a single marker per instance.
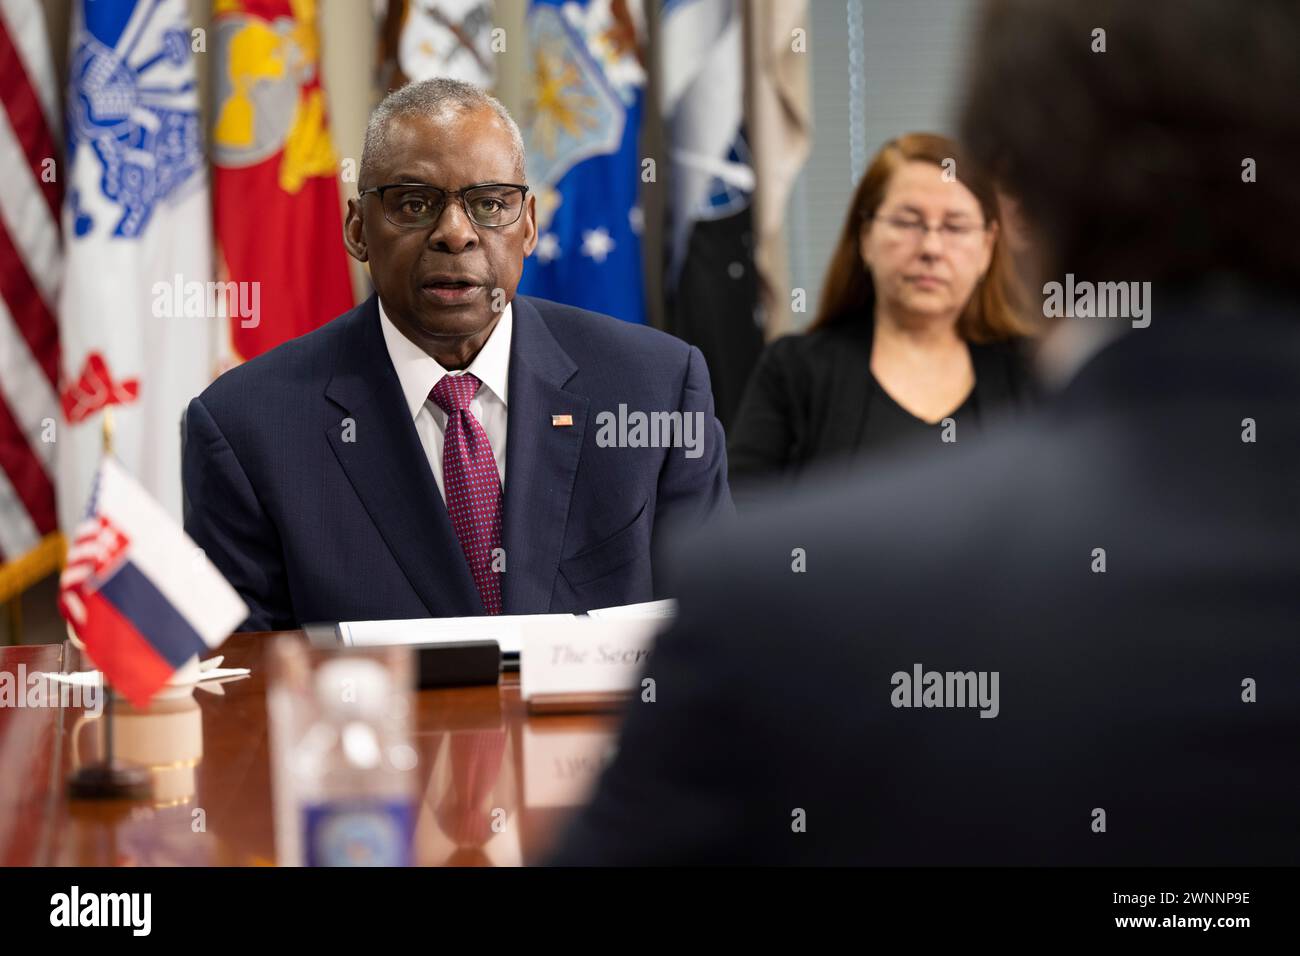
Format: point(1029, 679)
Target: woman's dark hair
point(848, 294)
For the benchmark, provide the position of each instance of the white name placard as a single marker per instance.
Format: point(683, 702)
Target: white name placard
point(586, 656)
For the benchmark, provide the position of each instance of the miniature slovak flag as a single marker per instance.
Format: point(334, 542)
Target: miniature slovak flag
point(139, 594)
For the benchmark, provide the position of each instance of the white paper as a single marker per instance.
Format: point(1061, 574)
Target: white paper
point(506, 629)
point(95, 678)
point(654, 609)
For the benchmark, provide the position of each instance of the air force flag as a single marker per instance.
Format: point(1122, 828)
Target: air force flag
point(583, 162)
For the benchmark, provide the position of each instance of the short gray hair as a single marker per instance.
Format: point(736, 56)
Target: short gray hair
point(432, 98)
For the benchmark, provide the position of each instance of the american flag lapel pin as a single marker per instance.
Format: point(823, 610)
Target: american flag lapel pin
point(561, 421)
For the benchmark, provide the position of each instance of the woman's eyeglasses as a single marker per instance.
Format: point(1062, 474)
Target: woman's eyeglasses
point(952, 234)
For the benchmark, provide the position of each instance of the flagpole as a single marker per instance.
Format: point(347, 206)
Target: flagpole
point(108, 779)
point(107, 426)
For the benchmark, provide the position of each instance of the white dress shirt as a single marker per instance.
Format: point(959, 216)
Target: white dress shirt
point(418, 372)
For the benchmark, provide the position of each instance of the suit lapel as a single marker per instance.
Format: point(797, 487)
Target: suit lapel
point(387, 467)
point(541, 460)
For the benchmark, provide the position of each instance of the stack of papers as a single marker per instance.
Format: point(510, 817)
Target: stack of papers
point(508, 630)
point(650, 609)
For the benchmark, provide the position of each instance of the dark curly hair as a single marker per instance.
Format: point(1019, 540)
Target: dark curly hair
point(1128, 163)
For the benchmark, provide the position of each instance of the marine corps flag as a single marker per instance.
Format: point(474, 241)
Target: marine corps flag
point(276, 206)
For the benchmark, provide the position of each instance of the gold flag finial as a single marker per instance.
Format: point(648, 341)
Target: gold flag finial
point(108, 430)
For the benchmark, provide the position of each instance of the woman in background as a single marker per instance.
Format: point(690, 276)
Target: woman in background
point(917, 324)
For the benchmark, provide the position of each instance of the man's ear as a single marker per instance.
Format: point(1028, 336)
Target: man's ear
point(354, 233)
point(530, 225)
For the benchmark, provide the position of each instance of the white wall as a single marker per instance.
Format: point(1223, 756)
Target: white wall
point(880, 68)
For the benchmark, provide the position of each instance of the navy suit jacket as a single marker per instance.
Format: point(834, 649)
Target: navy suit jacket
point(307, 486)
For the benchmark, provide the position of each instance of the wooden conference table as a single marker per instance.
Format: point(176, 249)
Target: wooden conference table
point(479, 751)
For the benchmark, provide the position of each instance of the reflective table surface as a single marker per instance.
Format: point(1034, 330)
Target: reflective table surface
point(494, 784)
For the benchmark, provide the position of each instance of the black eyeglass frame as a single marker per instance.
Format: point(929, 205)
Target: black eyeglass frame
point(446, 194)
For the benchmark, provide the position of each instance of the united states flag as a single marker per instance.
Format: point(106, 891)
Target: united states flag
point(31, 197)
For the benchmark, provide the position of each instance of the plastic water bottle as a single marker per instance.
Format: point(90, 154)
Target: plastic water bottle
point(351, 770)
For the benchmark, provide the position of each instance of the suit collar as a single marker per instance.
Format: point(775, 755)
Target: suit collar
point(386, 465)
point(1216, 337)
point(418, 372)
point(377, 446)
point(1070, 346)
point(535, 347)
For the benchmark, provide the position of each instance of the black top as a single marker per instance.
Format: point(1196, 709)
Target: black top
point(891, 426)
point(812, 398)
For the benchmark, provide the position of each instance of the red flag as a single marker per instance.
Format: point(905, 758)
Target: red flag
point(275, 173)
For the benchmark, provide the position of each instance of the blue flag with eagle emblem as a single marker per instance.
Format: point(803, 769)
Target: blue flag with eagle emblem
point(583, 163)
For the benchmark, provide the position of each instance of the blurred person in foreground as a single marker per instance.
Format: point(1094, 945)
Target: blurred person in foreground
point(1127, 562)
point(917, 326)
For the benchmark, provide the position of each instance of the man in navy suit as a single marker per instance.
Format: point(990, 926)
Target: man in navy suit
point(447, 448)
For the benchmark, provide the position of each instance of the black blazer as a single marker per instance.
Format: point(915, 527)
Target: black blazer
point(808, 397)
point(1119, 691)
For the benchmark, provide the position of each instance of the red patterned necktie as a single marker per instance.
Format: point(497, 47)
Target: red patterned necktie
point(471, 484)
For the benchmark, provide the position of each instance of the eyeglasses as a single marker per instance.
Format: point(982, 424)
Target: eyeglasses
point(953, 235)
point(419, 206)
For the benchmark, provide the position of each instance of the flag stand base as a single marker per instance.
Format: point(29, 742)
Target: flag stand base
point(110, 781)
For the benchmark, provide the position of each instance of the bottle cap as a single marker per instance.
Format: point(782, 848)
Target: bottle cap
point(353, 687)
